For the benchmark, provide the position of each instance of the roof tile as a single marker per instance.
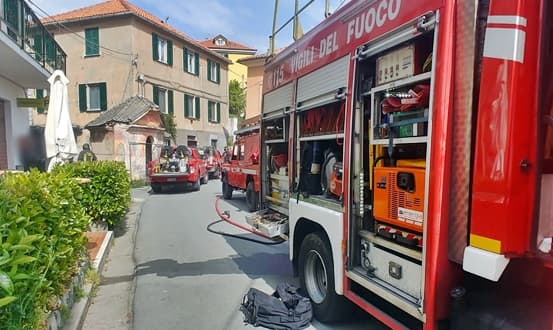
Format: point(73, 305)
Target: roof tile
point(127, 112)
point(113, 7)
point(210, 43)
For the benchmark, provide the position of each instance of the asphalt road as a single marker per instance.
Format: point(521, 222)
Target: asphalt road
point(189, 278)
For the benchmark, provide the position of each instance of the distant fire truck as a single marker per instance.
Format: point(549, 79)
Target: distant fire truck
point(241, 170)
point(408, 146)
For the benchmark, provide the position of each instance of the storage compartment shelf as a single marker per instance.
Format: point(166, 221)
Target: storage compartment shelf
point(329, 203)
point(400, 83)
point(277, 201)
point(275, 141)
point(322, 137)
point(396, 141)
point(391, 245)
point(279, 177)
point(279, 209)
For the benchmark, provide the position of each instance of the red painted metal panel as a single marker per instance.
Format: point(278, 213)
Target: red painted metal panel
point(355, 24)
point(439, 271)
point(503, 188)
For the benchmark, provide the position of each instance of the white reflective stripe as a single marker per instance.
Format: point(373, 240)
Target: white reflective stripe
point(505, 43)
point(253, 172)
point(507, 19)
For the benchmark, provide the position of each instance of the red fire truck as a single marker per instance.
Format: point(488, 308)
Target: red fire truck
point(408, 145)
point(241, 170)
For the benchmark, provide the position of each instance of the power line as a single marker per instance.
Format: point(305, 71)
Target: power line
point(75, 33)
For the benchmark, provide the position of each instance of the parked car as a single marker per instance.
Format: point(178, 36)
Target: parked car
point(180, 166)
point(214, 162)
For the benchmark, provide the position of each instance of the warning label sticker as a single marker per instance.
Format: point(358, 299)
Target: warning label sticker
point(410, 216)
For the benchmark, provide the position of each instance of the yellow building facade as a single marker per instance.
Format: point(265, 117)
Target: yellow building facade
point(234, 51)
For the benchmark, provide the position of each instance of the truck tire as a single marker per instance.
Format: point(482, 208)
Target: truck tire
point(204, 179)
point(227, 189)
point(316, 270)
point(197, 184)
point(217, 173)
point(156, 187)
point(251, 197)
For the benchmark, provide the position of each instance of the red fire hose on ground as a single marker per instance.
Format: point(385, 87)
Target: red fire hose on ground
point(225, 216)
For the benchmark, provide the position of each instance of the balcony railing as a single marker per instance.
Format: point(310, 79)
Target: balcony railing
point(19, 22)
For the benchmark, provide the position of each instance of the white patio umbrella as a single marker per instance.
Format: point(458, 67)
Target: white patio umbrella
point(58, 134)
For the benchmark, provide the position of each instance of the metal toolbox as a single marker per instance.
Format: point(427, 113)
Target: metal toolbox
point(400, 273)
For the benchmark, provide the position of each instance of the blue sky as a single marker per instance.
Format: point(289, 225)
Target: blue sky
point(245, 21)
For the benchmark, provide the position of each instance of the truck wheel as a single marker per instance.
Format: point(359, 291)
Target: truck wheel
point(251, 197)
point(316, 270)
point(197, 184)
point(156, 187)
point(227, 189)
point(217, 173)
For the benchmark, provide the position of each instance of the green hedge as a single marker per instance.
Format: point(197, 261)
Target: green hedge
point(107, 196)
point(42, 225)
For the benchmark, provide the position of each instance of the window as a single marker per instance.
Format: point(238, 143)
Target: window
point(162, 49)
point(220, 42)
point(164, 99)
point(213, 112)
point(214, 144)
point(92, 42)
point(92, 97)
point(191, 106)
point(191, 62)
point(213, 71)
point(191, 141)
point(242, 152)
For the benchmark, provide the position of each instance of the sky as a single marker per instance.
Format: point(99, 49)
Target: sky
point(245, 21)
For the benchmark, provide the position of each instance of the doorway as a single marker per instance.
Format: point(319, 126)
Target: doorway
point(149, 142)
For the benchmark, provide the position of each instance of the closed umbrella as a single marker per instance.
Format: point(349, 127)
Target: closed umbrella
point(58, 134)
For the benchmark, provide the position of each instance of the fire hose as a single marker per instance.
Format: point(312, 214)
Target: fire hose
point(225, 217)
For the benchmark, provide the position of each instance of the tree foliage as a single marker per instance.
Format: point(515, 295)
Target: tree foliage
point(168, 121)
point(237, 99)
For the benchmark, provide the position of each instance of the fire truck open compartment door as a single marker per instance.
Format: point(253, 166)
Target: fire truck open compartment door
point(277, 102)
point(324, 85)
point(388, 168)
point(275, 124)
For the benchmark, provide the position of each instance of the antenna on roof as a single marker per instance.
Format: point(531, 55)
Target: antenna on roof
point(166, 19)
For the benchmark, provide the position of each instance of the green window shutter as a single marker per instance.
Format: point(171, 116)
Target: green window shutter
point(155, 50)
point(169, 52)
point(40, 95)
point(185, 59)
point(92, 41)
point(103, 97)
point(155, 95)
point(186, 106)
point(209, 111)
point(218, 73)
point(82, 98)
point(197, 62)
point(38, 45)
point(197, 114)
point(170, 102)
point(208, 69)
point(218, 113)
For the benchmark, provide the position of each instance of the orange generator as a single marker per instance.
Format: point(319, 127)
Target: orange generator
point(399, 197)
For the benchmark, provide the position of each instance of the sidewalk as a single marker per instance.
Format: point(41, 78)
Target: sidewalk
point(111, 308)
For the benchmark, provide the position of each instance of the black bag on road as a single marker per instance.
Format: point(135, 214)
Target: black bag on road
point(285, 309)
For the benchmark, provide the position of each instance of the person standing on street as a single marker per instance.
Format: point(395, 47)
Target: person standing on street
point(86, 155)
